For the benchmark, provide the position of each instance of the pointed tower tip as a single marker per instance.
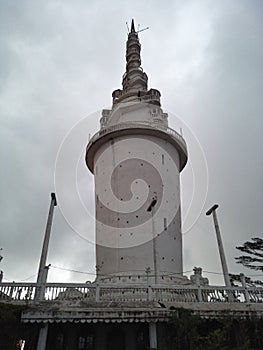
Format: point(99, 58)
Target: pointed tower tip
point(132, 27)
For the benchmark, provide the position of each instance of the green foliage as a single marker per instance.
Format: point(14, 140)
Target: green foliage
point(10, 314)
point(9, 321)
point(236, 281)
point(11, 329)
point(183, 329)
point(252, 260)
point(254, 254)
point(190, 332)
point(213, 341)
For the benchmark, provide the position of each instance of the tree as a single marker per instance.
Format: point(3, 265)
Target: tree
point(254, 258)
point(189, 331)
point(249, 281)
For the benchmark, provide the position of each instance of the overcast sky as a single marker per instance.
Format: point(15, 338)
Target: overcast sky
point(59, 63)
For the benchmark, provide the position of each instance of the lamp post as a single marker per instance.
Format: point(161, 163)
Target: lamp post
point(1, 272)
point(212, 211)
point(43, 269)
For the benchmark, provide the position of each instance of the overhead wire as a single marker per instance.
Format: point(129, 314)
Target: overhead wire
point(168, 274)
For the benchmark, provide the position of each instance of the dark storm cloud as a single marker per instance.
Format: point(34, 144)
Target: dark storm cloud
point(228, 106)
point(60, 61)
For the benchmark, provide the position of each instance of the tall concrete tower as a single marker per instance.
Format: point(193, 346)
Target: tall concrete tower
point(136, 160)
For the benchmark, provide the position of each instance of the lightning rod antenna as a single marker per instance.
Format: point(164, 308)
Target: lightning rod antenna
point(128, 29)
point(141, 30)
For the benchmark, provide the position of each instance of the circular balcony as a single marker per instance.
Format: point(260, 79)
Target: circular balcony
point(136, 128)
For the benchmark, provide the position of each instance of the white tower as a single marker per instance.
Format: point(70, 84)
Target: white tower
point(136, 160)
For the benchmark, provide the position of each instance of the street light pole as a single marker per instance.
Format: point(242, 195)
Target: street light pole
point(42, 270)
point(212, 211)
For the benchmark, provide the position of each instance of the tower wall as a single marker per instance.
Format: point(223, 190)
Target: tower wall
point(138, 221)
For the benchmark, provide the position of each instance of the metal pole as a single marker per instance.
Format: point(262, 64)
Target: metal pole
point(220, 245)
point(153, 335)
point(42, 337)
point(42, 264)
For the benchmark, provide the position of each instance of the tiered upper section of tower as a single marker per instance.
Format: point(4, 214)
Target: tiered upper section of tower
point(134, 78)
point(134, 81)
point(135, 109)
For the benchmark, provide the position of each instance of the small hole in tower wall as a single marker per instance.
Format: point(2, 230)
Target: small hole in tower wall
point(165, 224)
point(162, 159)
point(122, 258)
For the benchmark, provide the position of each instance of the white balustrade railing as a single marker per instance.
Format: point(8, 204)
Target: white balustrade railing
point(136, 125)
point(58, 292)
point(17, 291)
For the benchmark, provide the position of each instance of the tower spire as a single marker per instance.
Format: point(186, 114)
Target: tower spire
point(134, 80)
point(132, 26)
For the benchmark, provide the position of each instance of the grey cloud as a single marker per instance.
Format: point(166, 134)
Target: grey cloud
point(61, 60)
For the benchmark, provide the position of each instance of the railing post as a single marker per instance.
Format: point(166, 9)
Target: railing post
point(148, 271)
point(243, 282)
point(97, 294)
point(197, 275)
point(150, 293)
point(149, 288)
point(11, 291)
point(199, 293)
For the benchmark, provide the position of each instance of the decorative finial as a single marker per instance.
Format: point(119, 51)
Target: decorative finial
point(132, 26)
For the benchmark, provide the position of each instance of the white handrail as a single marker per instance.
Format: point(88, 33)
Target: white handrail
point(138, 124)
point(25, 292)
